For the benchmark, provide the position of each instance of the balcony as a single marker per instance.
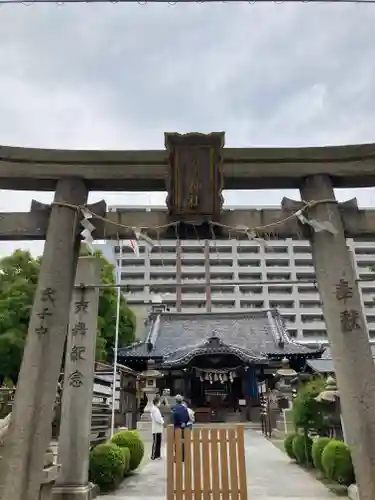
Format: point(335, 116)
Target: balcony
point(219, 306)
point(161, 270)
point(197, 297)
point(246, 262)
point(275, 249)
point(251, 304)
point(220, 249)
point(163, 278)
point(277, 262)
point(364, 248)
point(278, 276)
point(221, 277)
point(219, 289)
point(193, 278)
point(305, 274)
point(163, 264)
point(196, 270)
point(314, 333)
point(282, 304)
point(310, 304)
point(196, 306)
point(309, 291)
point(312, 319)
point(304, 257)
point(248, 248)
point(219, 266)
point(367, 288)
point(162, 289)
point(224, 297)
point(363, 260)
point(251, 290)
point(288, 318)
point(280, 290)
point(195, 259)
point(250, 276)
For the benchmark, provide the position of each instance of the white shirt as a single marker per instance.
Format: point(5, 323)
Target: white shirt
point(157, 421)
point(191, 415)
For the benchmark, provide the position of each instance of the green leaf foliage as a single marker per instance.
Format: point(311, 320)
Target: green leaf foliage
point(288, 446)
point(107, 466)
point(301, 446)
point(337, 462)
point(317, 449)
point(307, 413)
point(132, 441)
point(18, 280)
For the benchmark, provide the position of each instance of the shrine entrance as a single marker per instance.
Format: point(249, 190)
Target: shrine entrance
point(217, 395)
point(194, 169)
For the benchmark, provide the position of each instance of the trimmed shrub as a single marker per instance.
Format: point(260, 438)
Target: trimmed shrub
point(288, 445)
point(106, 466)
point(337, 462)
point(131, 440)
point(307, 413)
point(317, 450)
point(302, 448)
point(126, 453)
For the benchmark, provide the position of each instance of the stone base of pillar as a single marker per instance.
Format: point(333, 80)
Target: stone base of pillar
point(146, 417)
point(353, 492)
point(66, 492)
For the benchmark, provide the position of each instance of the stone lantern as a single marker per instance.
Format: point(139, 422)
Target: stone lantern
point(330, 397)
point(150, 377)
point(284, 385)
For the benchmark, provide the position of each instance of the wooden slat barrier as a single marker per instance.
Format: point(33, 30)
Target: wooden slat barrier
point(206, 464)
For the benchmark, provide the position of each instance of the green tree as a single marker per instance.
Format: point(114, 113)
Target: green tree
point(308, 415)
point(18, 280)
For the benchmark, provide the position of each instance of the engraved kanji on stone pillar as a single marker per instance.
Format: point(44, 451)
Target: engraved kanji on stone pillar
point(346, 327)
point(195, 176)
point(75, 428)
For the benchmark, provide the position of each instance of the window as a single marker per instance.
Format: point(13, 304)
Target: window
point(314, 333)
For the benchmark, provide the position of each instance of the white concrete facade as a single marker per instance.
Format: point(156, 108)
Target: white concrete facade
point(240, 274)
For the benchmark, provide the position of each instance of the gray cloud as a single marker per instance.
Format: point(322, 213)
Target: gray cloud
point(118, 76)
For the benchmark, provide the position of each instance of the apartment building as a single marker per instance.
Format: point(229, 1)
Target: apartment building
point(233, 275)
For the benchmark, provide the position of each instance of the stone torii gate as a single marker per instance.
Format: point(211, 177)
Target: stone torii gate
point(194, 169)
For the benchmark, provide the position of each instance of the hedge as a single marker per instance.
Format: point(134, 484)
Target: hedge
point(132, 441)
point(317, 449)
point(106, 466)
point(337, 462)
point(288, 445)
point(302, 449)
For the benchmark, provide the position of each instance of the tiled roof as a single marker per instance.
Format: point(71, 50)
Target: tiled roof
point(256, 334)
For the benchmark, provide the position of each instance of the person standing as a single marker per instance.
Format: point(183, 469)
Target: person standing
point(180, 419)
point(180, 414)
point(157, 425)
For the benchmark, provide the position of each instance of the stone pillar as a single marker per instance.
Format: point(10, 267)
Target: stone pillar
point(346, 326)
point(30, 427)
point(75, 428)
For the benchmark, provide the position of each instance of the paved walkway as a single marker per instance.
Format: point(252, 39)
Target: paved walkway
point(270, 476)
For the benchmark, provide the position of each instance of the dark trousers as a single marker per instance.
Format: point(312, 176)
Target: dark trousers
point(156, 445)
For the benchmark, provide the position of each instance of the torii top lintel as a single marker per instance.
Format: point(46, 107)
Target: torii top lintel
point(150, 170)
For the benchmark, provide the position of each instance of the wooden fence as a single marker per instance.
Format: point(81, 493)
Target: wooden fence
point(206, 464)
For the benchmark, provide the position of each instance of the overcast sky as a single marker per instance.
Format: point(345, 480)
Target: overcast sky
point(116, 76)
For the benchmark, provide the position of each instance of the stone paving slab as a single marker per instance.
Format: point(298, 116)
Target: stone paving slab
point(270, 476)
